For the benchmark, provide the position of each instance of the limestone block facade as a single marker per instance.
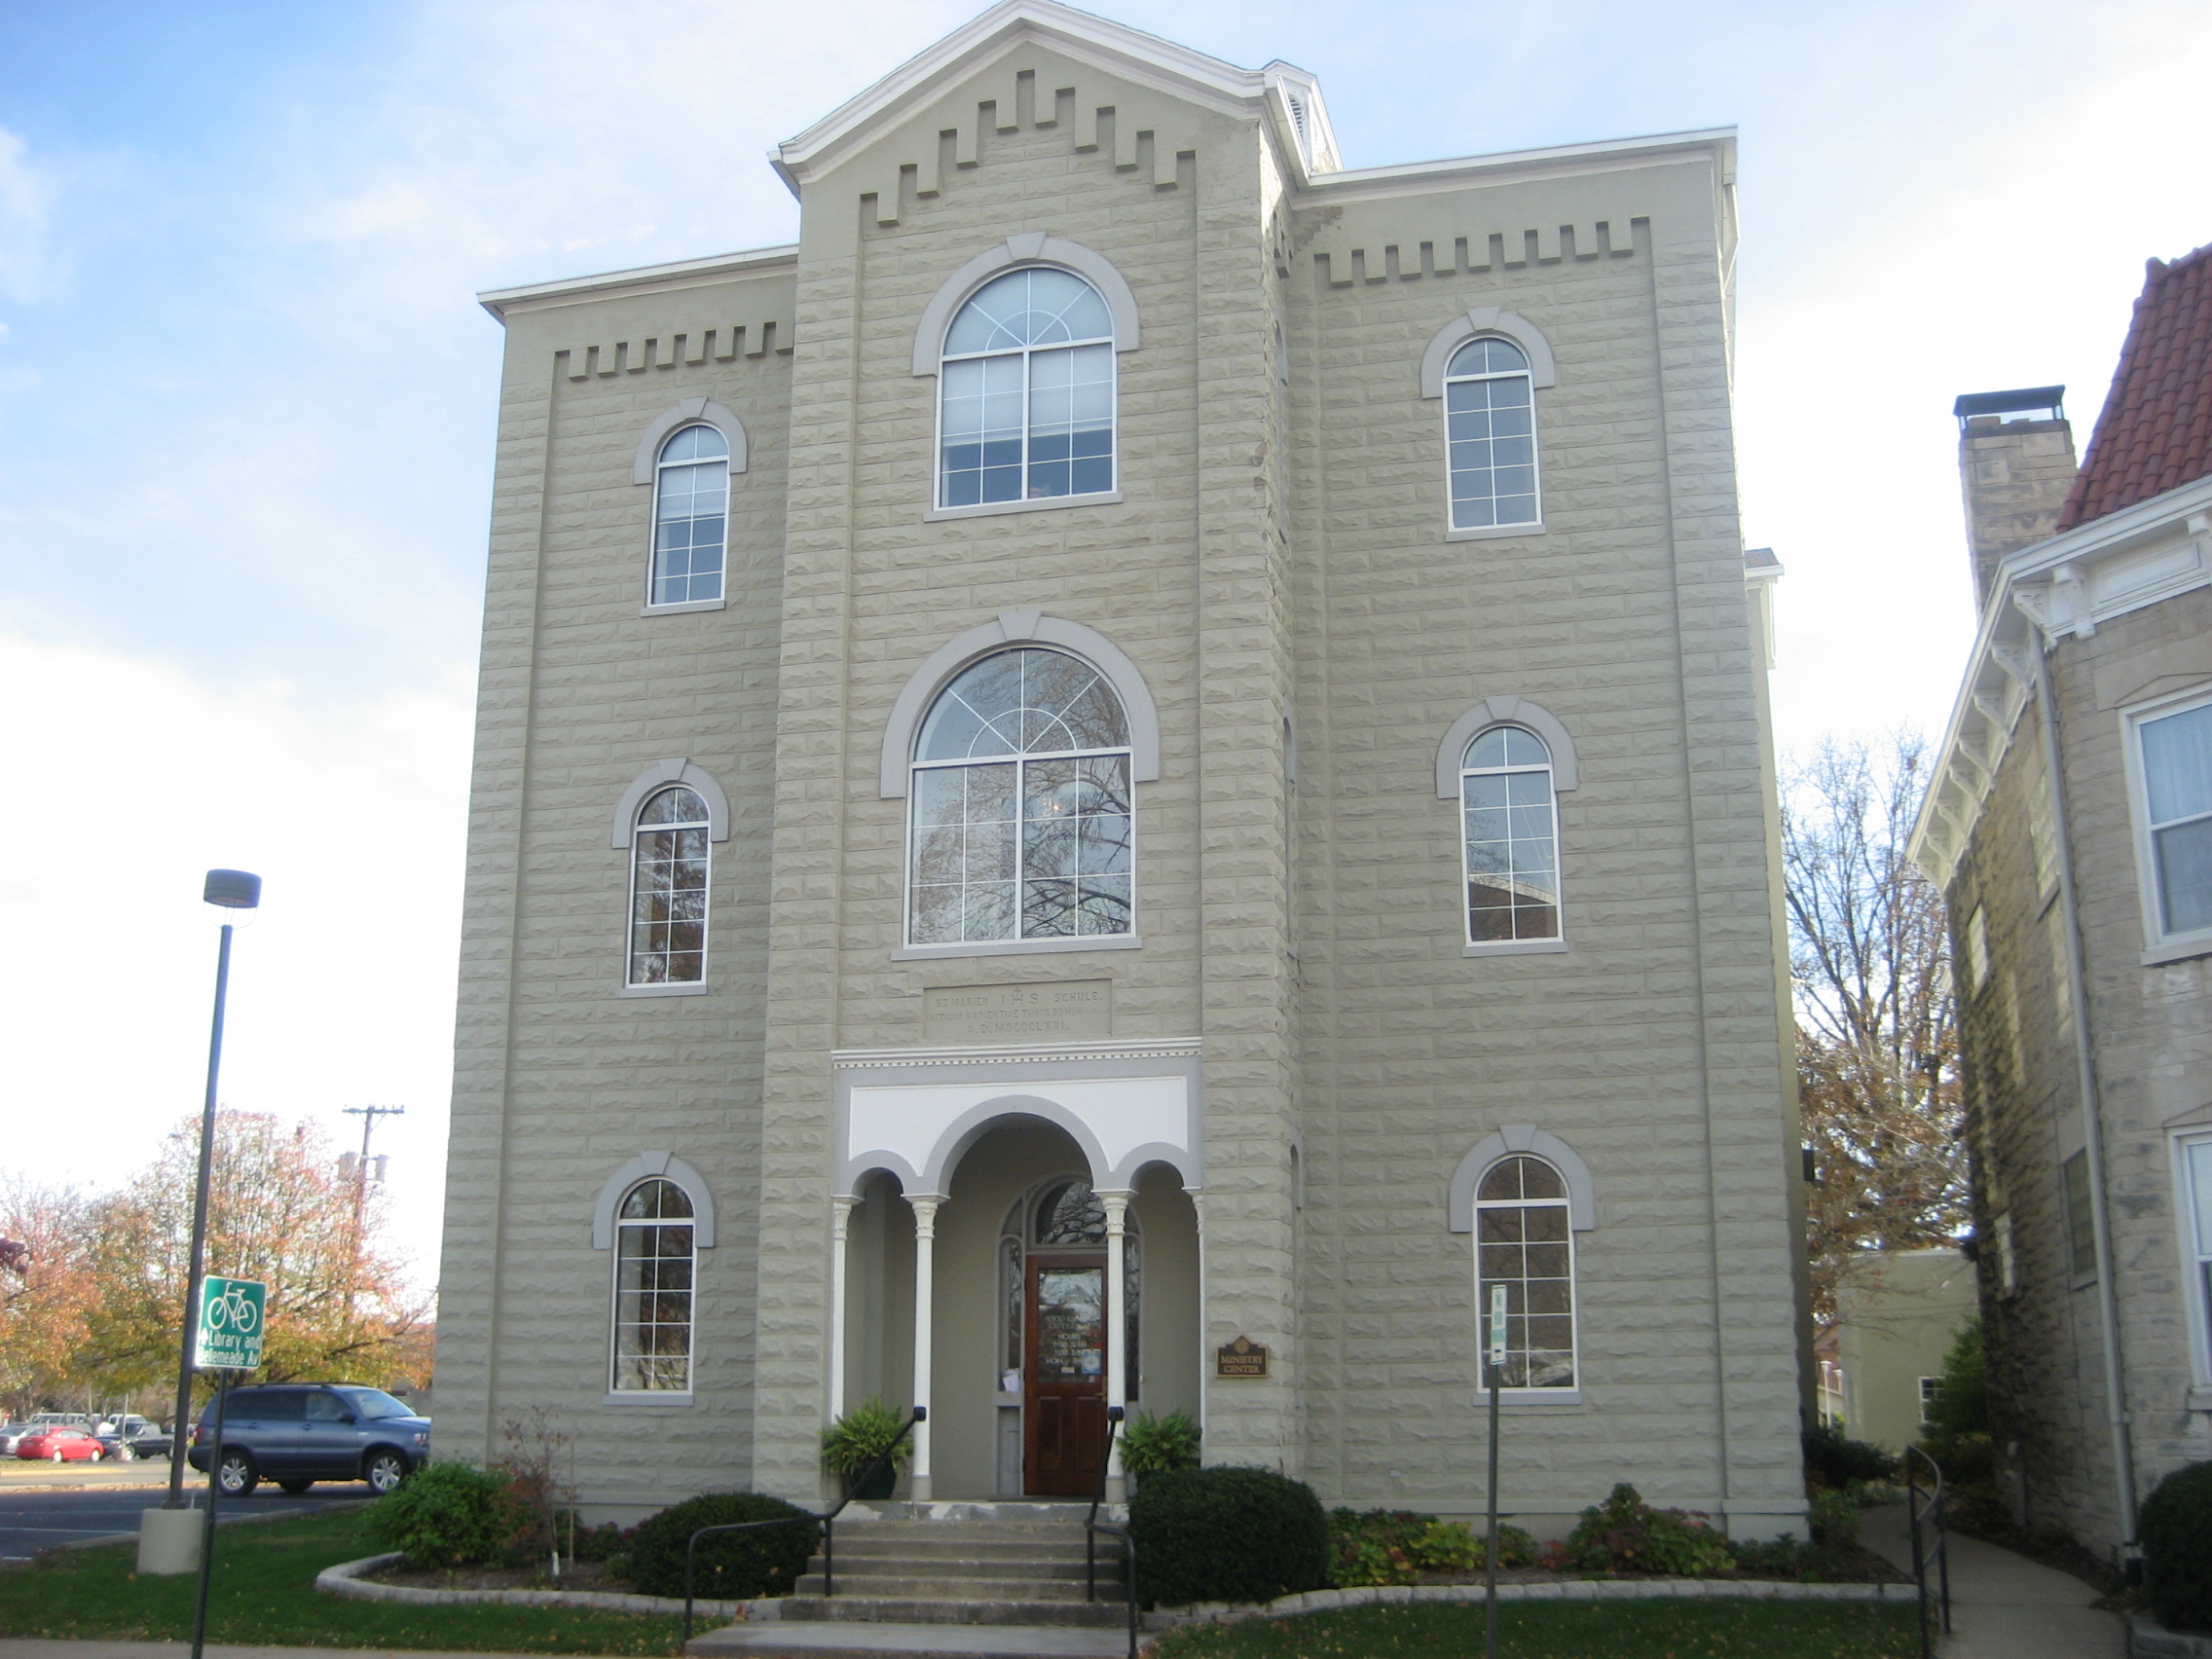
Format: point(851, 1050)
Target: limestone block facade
point(1285, 1064)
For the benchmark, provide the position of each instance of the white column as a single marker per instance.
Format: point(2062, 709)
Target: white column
point(1205, 1307)
point(841, 1219)
point(1116, 1329)
point(925, 1272)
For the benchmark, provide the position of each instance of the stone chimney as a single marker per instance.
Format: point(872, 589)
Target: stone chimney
point(2015, 463)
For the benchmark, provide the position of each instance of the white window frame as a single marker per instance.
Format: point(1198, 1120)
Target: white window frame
point(661, 465)
point(1024, 502)
point(1567, 1204)
point(2160, 946)
point(630, 923)
point(2195, 1244)
point(615, 1388)
point(1510, 947)
point(1527, 372)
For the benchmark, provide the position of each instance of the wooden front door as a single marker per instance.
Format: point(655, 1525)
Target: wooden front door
point(1064, 1372)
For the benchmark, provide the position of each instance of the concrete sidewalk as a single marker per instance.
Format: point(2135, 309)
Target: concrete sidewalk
point(2003, 1605)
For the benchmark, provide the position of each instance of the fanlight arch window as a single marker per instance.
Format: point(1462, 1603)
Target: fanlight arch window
point(1523, 1243)
point(690, 517)
point(669, 865)
point(1020, 820)
point(1510, 817)
point(655, 1255)
point(1489, 415)
point(1026, 392)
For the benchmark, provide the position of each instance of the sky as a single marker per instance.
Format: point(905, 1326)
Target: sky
point(248, 406)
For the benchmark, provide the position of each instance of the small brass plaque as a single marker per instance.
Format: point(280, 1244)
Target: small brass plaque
point(1242, 1358)
point(1061, 1010)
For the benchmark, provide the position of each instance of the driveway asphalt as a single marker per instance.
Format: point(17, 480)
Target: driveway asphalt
point(32, 1521)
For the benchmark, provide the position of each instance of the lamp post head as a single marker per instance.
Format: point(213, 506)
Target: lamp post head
point(232, 889)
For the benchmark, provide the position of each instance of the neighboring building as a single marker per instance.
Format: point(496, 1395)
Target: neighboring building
point(1898, 1313)
point(2070, 824)
point(1181, 734)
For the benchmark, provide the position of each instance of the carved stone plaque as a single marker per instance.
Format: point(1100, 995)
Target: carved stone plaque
point(1019, 1013)
point(1242, 1358)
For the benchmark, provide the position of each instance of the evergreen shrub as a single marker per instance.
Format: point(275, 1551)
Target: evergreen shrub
point(1835, 1460)
point(733, 1566)
point(442, 1515)
point(2175, 1528)
point(1227, 1534)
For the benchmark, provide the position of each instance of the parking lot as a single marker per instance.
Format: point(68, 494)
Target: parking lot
point(43, 1505)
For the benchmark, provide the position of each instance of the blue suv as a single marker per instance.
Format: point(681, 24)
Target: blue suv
point(296, 1434)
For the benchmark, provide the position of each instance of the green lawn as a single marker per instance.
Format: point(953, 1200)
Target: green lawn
point(1661, 1627)
point(264, 1592)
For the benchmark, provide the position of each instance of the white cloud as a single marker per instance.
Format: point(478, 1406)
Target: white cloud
point(26, 199)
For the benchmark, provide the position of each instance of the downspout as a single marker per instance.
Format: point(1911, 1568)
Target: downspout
point(2093, 1115)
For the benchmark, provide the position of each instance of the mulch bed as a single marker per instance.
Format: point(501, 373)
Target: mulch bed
point(577, 1575)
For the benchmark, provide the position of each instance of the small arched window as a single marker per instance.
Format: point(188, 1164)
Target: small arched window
point(1489, 415)
point(654, 1257)
point(1026, 392)
point(1523, 1243)
point(1020, 817)
point(1509, 812)
point(668, 889)
point(690, 517)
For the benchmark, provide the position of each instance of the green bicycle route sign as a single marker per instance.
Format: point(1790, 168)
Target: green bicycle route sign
point(229, 1338)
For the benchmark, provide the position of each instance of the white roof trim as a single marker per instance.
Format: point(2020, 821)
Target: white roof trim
point(530, 296)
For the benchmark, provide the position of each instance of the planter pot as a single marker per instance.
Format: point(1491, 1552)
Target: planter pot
point(876, 1487)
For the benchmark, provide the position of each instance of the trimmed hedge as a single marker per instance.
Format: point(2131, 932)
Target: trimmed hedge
point(1227, 1534)
point(733, 1566)
point(2175, 1526)
point(442, 1515)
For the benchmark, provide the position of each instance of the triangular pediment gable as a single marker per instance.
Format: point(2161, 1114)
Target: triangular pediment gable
point(1292, 95)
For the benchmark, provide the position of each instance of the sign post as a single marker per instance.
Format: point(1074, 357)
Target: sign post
point(228, 1340)
point(1494, 1359)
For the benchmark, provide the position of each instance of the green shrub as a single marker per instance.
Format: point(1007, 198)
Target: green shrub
point(1835, 1460)
point(444, 1514)
point(2176, 1532)
point(859, 1438)
point(1626, 1534)
point(1374, 1546)
point(733, 1566)
point(1961, 1405)
point(1835, 1518)
point(1227, 1534)
point(1151, 1445)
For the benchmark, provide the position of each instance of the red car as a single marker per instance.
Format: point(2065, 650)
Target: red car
point(56, 1445)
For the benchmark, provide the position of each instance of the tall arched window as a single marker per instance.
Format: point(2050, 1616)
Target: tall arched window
point(1489, 415)
point(1523, 1243)
point(654, 1254)
point(1509, 811)
point(1020, 821)
point(690, 517)
point(1027, 393)
point(668, 889)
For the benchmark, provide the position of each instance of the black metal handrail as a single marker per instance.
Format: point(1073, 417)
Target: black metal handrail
point(1093, 1527)
point(920, 1413)
point(1925, 1553)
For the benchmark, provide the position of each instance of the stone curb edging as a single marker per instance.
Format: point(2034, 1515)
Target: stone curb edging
point(1561, 1590)
point(2148, 1639)
point(346, 1580)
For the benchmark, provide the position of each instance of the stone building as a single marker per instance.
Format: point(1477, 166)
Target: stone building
point(1114, 755)
point(2069, 824)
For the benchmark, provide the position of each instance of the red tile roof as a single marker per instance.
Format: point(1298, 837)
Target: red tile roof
point(2155, 431)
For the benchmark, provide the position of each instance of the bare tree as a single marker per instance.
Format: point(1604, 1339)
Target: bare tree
point(1877, 1029)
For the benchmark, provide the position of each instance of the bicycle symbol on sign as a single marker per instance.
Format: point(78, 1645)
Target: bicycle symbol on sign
point(235, 1310)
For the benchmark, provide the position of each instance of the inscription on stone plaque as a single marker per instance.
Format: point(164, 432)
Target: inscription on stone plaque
point(1019, 1013)
point(1242, 1358)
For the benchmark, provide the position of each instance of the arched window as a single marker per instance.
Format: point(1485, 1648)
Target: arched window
point(1020, 823)
point(654, 1254)
point(691, 516)
point(1489, 415)
point(1523, 1243)
point(668, 889)
point(1509, 812)
point(1027, 393)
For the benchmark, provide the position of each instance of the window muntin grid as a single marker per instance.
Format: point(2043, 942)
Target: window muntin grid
point(1020, 812)
point(1026, 392)
point(2177, 790)
point(1523, 1241)
point(1489, 428)
point(690, 517)
point(1510, 824)
point(669, 864)
point(654, 1269)
point(2196, 1179)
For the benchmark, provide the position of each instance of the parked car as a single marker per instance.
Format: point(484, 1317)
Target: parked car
point(61, 1443)
point(12, 1434)
point(136, 1438)
point(296, 1434)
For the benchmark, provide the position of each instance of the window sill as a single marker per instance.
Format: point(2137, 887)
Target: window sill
point(1515, 948)
point(1044, 503)
point(680, 610)
point(2178, 950)
point(1494, 532)
point(2199, 1397)
point(646, 1397)
point(689, 989)
point(1017, 947)
point(1539, 1397)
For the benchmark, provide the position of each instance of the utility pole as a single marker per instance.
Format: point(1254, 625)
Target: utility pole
point(368, 1116)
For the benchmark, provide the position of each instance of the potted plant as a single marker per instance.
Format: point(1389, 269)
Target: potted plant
point(856, 1440)
point(1152, 1444)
